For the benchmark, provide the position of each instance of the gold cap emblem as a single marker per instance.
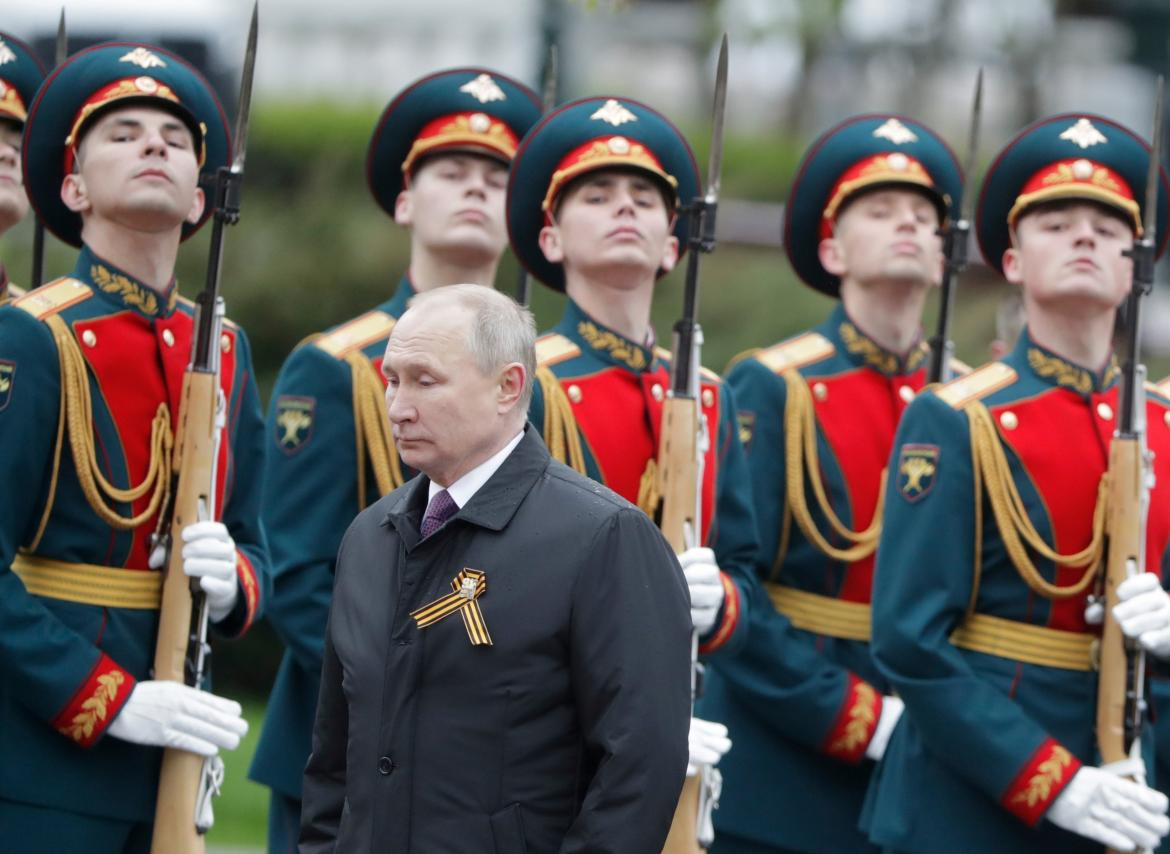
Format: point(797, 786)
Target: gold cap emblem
point(614, 113)
point(483, 89)
point(898, 161)
point(1082, 170)
point(1084, 134)
point(146, 85)
point(143, 58)
point(480, 123)
point(6, 54)
point(618, 145)
point(895, 132)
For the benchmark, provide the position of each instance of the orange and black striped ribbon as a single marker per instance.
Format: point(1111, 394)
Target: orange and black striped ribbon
point(468, 586)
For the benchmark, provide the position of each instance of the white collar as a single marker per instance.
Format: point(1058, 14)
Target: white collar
point(462, 489)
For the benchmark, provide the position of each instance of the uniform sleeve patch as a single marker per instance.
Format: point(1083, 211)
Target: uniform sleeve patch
point(917, 467)
point(294, 422)
point(747, 427)
point(7, 379)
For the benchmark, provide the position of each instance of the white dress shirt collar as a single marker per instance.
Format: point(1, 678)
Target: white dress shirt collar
point(462, 489)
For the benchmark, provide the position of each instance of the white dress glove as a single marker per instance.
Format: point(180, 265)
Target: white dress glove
point(708, 742)
point(171, 714)
point(1144, 612)
point(892, 708)
point(702, 574)
point(209, 554)
point(1099, 805)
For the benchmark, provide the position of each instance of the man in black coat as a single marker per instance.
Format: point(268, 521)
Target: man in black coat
point(506, 664)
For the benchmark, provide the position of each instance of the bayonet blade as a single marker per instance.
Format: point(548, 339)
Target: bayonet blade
point(548, 98)
point(244, 107)
point(62, 51)
point(715, 162)
point(967, 208)
point(1150, 218)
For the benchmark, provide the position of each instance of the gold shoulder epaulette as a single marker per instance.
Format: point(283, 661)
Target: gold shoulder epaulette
point(1162, 387)
point(797, 352)
point(554, 348)
point(356, 333)
point(54, 297)
point(977, 384)
point(14, 292)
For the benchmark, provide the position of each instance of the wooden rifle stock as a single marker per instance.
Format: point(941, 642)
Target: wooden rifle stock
point(1115, 692)
point(178, 787)
point(679, 473)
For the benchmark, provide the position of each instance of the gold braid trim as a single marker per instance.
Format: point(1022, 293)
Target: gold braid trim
point(648, 495)
point(991, 468)
point(77, 414)
point(372, 429)
point(800, 454)
point(560, 426)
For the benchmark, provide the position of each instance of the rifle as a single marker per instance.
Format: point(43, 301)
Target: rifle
point(548, 100)
point(38, 248)
point(955, 236)
point(1121, 704)
point(181, 649)
point(683, 447)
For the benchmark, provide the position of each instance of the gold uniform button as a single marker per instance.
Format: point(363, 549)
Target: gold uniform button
point(820, 391)
point(575, 393)
point(656, 391)
point(1104, 410)
point(89, 338)
point(906, 393)
point(225, 343)
point(708, 397)
point(168, 338)
point(1009, 421)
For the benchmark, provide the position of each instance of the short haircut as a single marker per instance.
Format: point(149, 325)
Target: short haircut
point(502, 331)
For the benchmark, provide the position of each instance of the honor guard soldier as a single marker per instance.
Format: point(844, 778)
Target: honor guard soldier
point(986, 613)
point(596, 210)
point(438, 164)
point(818, 414)
point(114, 146)
point(20, 75)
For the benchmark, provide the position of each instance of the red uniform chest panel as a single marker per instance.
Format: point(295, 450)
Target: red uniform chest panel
point(135, 367)
point(858, 413)
point(376, 361)
point(1064, 446)
point(620, 417)
point(1158, 520)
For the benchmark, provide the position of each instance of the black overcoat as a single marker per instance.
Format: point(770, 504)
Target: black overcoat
point(568, 733)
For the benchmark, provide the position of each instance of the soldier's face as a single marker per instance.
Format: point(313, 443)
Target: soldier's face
point(454, 208)
point(612, 226)
point(445, 413)
point(1071, 253)
point(886, 235)
point(137, 169)
point(13, 201)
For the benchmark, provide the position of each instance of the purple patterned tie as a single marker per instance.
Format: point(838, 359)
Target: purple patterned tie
point(441, 508)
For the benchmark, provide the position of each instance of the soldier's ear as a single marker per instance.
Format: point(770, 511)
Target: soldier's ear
point(74, 194)
point(404, 208)
point(550, 244)
point(669, 254)
point(832, 257)
point(1013, 268)
point(197, 206)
